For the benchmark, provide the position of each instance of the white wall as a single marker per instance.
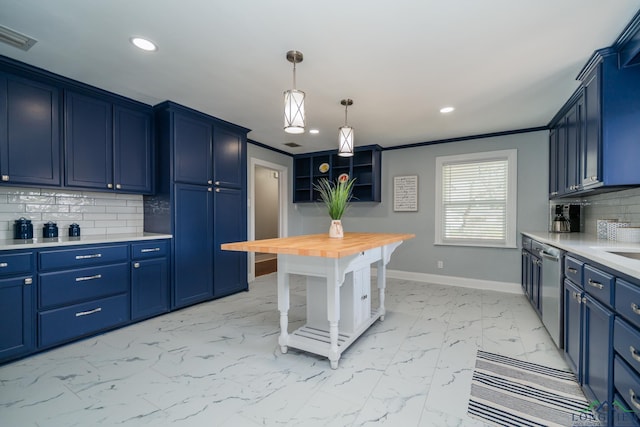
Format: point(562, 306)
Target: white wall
point(420, 255)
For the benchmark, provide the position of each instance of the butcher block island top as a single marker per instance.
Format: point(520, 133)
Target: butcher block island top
point(320, 245)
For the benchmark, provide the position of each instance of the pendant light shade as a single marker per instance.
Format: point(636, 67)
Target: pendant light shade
point(345, 133)
point(294, 116)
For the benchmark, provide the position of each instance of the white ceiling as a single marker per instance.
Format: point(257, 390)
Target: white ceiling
point(504, 64)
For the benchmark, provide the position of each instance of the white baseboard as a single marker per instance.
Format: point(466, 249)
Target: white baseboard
point(464, 282)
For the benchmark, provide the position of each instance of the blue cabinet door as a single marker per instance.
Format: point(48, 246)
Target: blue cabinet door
point(228, 157)
point(591, 171)
point(229, 267)
point(553, 163)
point(149, 287)
point(29, 132)
point(17, 334)
point(573, 327)
point(193, 244)
point(598, 348)
point(192, 145)
point(525, 273)
point(573, 124)
point(89, 142)
point(536, 276)
point(133, 152)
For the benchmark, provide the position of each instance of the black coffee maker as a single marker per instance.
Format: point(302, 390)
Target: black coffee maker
point(566, 218)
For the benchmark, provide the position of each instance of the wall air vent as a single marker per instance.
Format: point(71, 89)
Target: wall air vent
point(292, 144)
point(15, 39)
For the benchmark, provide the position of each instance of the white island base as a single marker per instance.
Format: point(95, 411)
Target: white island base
point(338, 299)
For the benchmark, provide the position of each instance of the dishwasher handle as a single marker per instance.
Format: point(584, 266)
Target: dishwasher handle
point(549, 256)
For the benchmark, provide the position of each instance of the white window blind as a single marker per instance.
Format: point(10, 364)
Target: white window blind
point(476, 201)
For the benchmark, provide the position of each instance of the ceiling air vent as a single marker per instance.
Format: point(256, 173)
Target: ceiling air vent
point(16, 39)
point(292, 144)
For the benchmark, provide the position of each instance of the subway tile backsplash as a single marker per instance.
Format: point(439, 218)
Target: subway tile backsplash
point(96, 213)
point(621, 205)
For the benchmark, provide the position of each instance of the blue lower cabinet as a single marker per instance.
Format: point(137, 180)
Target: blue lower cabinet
point(573, 327)
point(627, 385)
point(149, 287)
point(17, 314)
point(64, 324)
point(598, 350)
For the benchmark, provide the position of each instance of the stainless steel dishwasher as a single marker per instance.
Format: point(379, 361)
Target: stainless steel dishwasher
point(551, 291)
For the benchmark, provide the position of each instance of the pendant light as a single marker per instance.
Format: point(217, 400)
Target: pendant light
point(345, 133)
point(294, 120)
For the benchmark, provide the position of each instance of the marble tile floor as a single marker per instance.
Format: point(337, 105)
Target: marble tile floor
point(219, 364)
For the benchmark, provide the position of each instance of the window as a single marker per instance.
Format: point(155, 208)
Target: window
point(476, 199)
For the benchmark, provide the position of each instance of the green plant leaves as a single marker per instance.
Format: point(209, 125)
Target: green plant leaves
point(335, 196)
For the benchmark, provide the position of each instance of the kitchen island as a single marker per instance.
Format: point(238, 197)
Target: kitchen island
point(338, 271)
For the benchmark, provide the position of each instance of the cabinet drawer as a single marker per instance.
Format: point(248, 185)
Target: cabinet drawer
point(145, 250)
point(573, 270)
point(526, 243)
point(627, 301)
point(16, 263)
point(72, 286)
point(622, 414)
point(72, 258)
point(598, 284)
point(63, 324)
point(626, 382)
point(626, 341)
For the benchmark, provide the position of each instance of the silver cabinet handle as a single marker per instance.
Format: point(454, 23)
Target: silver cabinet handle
point(572, 270)
point(554, 193)
point(28, 281)
point(86, 313)
point(118, 186)
point(85, 278)
point(217, 190)
point(595, 284)
point(364, 297)
point(4, 264)
point(145, 250)
point(634, 398)
point(217, 182)
point(5, 177)
point(209, 189)
point(136, 265)
point(635, 308)
point(88, 256)
point(109, 185)
point(634, 353)
point(210, 182)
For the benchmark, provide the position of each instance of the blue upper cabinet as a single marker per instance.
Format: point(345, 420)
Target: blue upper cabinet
point(133, 150)
point(229, 153)
point(89, 142)
point(364, 166)
point(612, 106)
point(108, 145)
point(29, 132)
point(192, 153)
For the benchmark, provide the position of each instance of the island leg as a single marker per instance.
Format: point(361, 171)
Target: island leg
point(283, 305)
point(333, 314)
point(382, 280)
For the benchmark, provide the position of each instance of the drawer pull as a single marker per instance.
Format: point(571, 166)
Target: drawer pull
point(364, 297)
point(149, 250)
point(86, 313)
point(634, 353)
point(85, 278)
point(88, 256)
point(635, 308)
point(572, 270)
point(4, 264)
point(595, 284)
point(136, 265)
point(28, 281)
point(634, 398)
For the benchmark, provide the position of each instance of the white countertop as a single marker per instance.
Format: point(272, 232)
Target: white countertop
point(597, 250)
point(40, 242)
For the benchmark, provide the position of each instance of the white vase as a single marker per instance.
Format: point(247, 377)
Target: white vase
point(335, 230)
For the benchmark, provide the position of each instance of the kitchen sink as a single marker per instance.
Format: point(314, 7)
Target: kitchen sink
point(631, 255)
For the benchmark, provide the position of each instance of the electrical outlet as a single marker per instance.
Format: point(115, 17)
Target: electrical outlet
point(440, 264)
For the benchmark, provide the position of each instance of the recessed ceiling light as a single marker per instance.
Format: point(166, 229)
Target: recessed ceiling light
point(144, 44)
point(314, 131)
point(445, 110)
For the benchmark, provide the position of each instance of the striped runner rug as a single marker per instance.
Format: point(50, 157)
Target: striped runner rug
point(510, 392)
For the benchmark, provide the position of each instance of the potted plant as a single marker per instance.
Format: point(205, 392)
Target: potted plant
point(336, 197)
